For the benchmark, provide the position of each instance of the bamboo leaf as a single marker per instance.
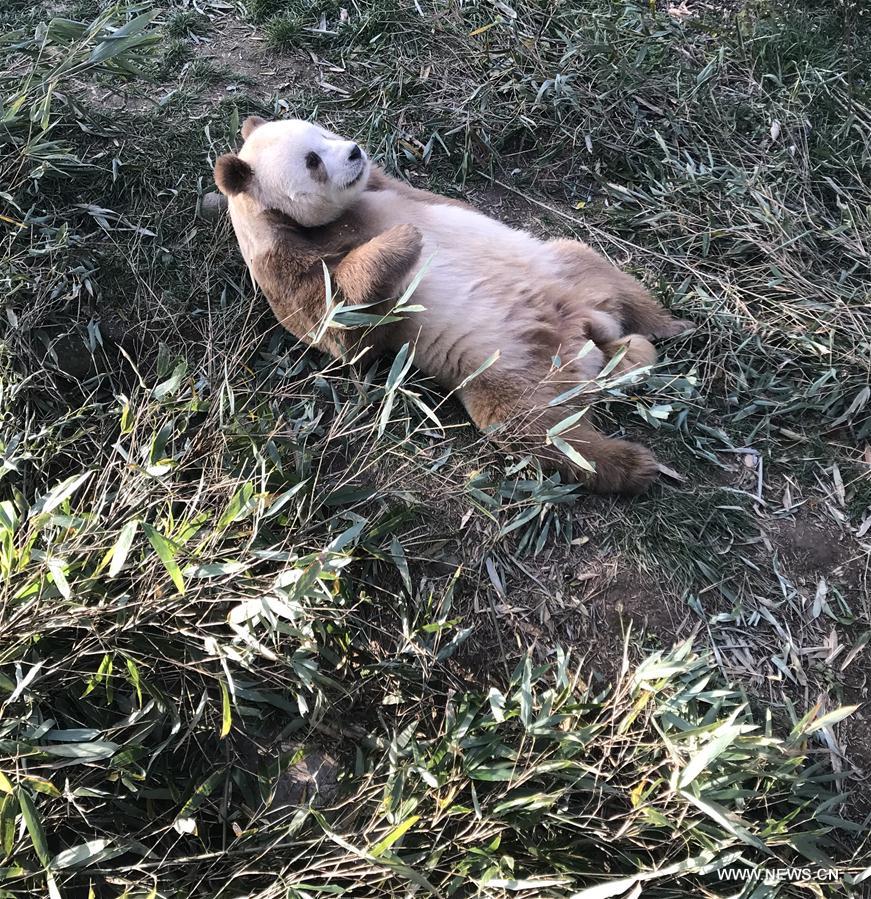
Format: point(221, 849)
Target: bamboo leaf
point(76, 856)
point(33, 823)
point(487, 363)
point(382, 846)
point(166, 553)
point(8, 813)
point(721, 816)
point(713, 748)
point(830, 718)
point(226, 711)
point(569, 451)
point(122, 547)
point(607, 890)
point(58, 494)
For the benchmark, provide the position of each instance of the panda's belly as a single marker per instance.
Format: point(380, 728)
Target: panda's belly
point(479, 275)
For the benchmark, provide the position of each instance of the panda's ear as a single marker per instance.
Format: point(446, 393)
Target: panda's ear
point(252, 122)
point(232, 174)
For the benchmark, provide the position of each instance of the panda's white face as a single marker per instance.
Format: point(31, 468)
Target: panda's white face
point(305, 171)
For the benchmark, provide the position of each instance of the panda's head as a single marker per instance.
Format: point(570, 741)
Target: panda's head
point(297, 167)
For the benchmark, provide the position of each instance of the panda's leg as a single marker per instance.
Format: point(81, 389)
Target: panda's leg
point(639, 352)
point(517, 417)
point(614, 292)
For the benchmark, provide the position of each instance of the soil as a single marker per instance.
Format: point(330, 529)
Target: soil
point(810, 548)
point(629, 603)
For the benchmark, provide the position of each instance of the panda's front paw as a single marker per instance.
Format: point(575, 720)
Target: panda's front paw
point(403, 244)
point(406, 236)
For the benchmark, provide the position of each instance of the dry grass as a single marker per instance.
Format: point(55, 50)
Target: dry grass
point(221, 555)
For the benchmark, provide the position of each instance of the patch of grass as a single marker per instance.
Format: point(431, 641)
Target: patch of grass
point(696, 536)
point(204, 71)
point(260, 11)
point(223, 557)
point(185, 22)
point(283, 32)
point(175, 54)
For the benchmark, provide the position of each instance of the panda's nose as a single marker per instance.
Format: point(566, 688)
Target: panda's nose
point(356, 153)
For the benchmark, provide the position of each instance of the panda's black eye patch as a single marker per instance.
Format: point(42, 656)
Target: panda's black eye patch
point(312, 161)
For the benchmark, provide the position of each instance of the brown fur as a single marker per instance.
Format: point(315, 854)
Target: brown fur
point(616, 293)
point(252, 122)
point(519, 421)
point(639, 352)
point(587, 299)
point(365, 268)
point(232, 174)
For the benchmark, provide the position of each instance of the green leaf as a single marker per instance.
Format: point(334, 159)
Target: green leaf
point(508, 771)
point(123, 39)
point(214, 569)
point(529, 802)
point(226, 714)
point(523, 518)
point(397, 553)
point(58, 494)
point(58, 569)
point(72, 735)
point(517, 885)
point(608, 889)
point(240, 506)
point(122, 547)
point(721, 816)
point(454, 643)
point(346, 318)
point(497, 704)
point(490, 360)
point(807, 846)
point(525, 693)
point(104, 672)
point(613, 362)
point(202, 792)
point(708, 753)
point(568, 450)
point(383, 845)
point(401, 365)
point(8, 516)
point(76, 856)
point(8, 813)
point(133, 670)
point(830, 718)
point(172, 383)
point(567, 423)
point(386, 409)
point(93, 751)
point(348, 537)
point(412, 286)
point(34, 826)
point(166, 552)
point(41, 785)
point(281, 499)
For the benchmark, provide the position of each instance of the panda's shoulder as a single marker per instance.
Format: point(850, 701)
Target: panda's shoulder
point(380, 181)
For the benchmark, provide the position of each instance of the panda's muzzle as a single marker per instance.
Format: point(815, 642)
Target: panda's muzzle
point(359, 174)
